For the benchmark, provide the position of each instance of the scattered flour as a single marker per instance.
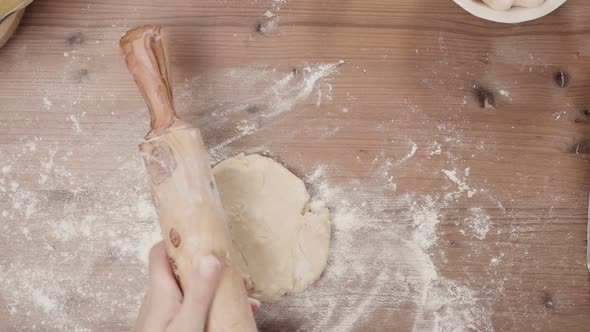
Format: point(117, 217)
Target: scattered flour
point(47, 104)
point(6, 169)
point(273, 93)
point(409, 155)
point(73, 224)
point(271, 17)
point(271, 24)
point(495, 261)
point(298, 89)
point(435, 149)
point(452, 175)
point(443, 304)
point(246, 128)
point(76, 122)
point(425, 219)
point(318, 173)
point(478, 222)
point(557, 115)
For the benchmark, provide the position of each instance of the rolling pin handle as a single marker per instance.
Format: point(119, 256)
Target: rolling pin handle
point(146, 59)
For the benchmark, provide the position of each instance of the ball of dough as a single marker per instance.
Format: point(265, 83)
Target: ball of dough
point(281, 239)
point(507, 4)
point(528, 3)
point(499, 4)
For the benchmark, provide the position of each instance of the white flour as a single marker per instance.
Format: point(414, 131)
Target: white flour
point(47, 103)
point(269, 94)
point(452, 175)
point(75, 123)
point(271, 18)
point(73, 230)
point(478, 222)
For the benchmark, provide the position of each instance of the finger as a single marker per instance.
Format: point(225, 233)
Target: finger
point(198, 294)
point(254, 305)
point(163, 297)
point(142, 318)
point(247, 281)
point(163, 284)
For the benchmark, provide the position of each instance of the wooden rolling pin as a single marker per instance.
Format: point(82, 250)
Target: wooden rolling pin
point(186, 198)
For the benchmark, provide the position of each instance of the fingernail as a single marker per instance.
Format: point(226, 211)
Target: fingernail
point(255, 302)
point(249, 284)
point(209, 266)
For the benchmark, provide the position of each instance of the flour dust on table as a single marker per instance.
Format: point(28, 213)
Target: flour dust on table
point(270, 94)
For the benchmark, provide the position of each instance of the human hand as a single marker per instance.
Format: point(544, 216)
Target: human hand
point(165, 308)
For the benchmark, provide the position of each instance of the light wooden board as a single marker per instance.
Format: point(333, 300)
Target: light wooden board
point(77, 216)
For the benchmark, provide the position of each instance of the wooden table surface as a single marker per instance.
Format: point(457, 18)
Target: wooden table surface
point(451, 151)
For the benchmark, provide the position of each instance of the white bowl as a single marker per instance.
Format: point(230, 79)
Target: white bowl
point(514, 15)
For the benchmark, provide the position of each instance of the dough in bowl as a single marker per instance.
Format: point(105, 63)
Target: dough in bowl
point(507, 4)
point(282, 238)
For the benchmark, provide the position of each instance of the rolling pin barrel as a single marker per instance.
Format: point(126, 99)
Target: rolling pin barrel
point(189, 209)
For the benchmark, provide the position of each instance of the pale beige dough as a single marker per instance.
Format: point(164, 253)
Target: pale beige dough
point(507, 4)
point(282, 238)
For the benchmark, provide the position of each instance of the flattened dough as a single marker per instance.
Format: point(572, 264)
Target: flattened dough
point(283, 241)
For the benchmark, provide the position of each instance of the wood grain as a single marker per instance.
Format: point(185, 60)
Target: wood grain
point(414, 71)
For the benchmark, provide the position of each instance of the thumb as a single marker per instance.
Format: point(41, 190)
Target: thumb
point(198, 295)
